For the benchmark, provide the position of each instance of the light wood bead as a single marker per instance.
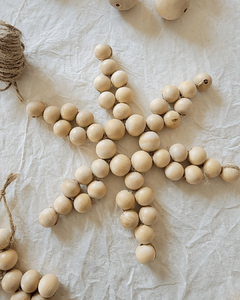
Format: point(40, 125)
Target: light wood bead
point(155, 122)
point(144, 234)
point(95, 132)
point(129, 219)
point(114, 129)
point(62, 205)
point(100, 168)
point(37, 296)
point(48, 217)
point(82, 203)
point(123, 4)
point(135, 125)
point(51, 114)
point(172, 119)
point(197, 156)
point(230, 173)
point(11, 281)
point(48, 285)
point(35, 109)
point(119, 79)
point(84, 175)
point(145, 254)
point(134, 180)
point(203, 81)
point(187, 89)
point(124, 94)
point(174, 171)
point(161, 158)
point(8, 259)
point(141, 161)
point(193, 174)
point(120, 165)
point(178, 152)
point(122, 111)
point(5, 236)
point(212, 168)
point(171, 10)
point(183, 106)
point(70, 188)
point(149, 141)
point(102, 51)
point(84, 118)
point(102, 83)
point(20, 295)
point(170, 93)
point(68, 111)
point(78, 136)
point(159, 106)
point(30, 280)
point(144, 196)
point(148, 215)
point(106, 149)
point(108, 67)
point(62, 128)
point(96, 189)
point(125, 200)
point(106, 100)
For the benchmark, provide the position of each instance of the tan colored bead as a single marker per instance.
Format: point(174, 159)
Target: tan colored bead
point(230, 173)
point(122, 111)
point(124, 94)
point(48, 285)
point(96, 189)
point(159, 106)
point(84, 175)
point(5, 236)
point(114, 129)
point(84, 118)
point(145, 254)
point(11, 281)
point(171, 10)
point(183, 106)
point(70, 188)
point(37, 296)
point(20, 295)
point(172, 119)
point(123, 4)
point(108, 67)
point(106, 149)
point(174, 171)
point(212, 168)
point(48, 217)
point(141, 161)
point(203, 81)
point(120, 165)
point(161, 158)
point(148, 215)
point(193, 174)
point(178, 152)
point(62, 128)
point(8, 259)
point(106, 100)
point(102, 51)
point(100, 168)
point(149, 141)
point(102, 83)
point(119, 79)
point(35, 109)
point(187, 89)
point(129, 219)
point(144, 196)
point(82, 203)
point(125, 199)
point(95, 132)
point(62, 205)
point(68, 111)
point(51, 114)
point(78, 136)
point(155, 122)
point(197, 156)
point(30, 280)
point(135, 125)
point(170, 93)
point(134, 180)
point(144, 234)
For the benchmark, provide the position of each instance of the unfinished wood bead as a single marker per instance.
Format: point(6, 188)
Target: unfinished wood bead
point(212, 168)
point(48, 217)
point(106, 100)
point(144, 234)
point(134, 180)
point(108, 67)
point(141, 161)
point(123, 4)
point(144, 196)
point(51, 114)
point(193, 174)
point(149, 141)
point(122, 111)
point(48, 285)
point(183, 106)
point(8, 259)
point(171, 10)
point(68, 111)
point(120, 165)
point(106, 149)
point(35, 109)
point(102, 51)
point(161, 158)
point(159, 106)
point(84, 175)
point(96, 189)
point(30, 281)
point(102, 83)
point(11, 281)
point(114, 129)
point(197, 156)
point(62, 205)
point(95, 132)
point(124, 94)
point(148, 215)
point(203, 81)
point(135, 125)
point(178, 152)
point(170, 93)
point(84, 118)
point(155, 122)
point(119, 79)
point(100, 168)
point(129, 219)
point(20, 295)
point(172, 119)
point(78, 136)
point(145, 254)
point(174, 171)
point(187, 89)
point(5, 236)
point(70, 188)
point(82, 203)
point(230, 173)
point(62, 128)
point(125, 200)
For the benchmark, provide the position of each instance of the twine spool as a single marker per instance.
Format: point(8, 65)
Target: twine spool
point(12, 59)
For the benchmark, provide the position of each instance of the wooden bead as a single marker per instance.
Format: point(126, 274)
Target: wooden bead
point(212, 168)
point(100, 168)
point(125, 200)
point(48, 217)
point(129, 219)
point(144, 196)
point(20, 295)
point(106, 149)
point(159, 106)
point(102, 83)
point(95, 132)
point(149, 141)
point(84, 175)
point(37, 296)
point(183, 106)
point(8, 259)
point(122, 111)
point(62, 128)
point(11, 281)
point(230, 173)
point(178, 152)
point(30, 281)
point(144, 234)
point(161, 158)
point(170, 93)
point(114, 129)
point(106, 100)
point(187, 89)
point(70, 188)
point(102, 51)
point(48, 285)
point(148, 215)
point(123, 4)
point(197, 156)
point(96, 189)
point(78, 136)
point(155, 122)
point(108, 67)
point(5, 236)
point(145, 254)
point(51, 114)
point(82, 203)
point(68, 111)
point(193, 174)
point(62, 205)
point(120, 165)
point(172, 119)
point(141, 161)
point(174, 171)
point(203, 81)
point(135, 125)
point(134, 180)
point(171, 10)
point(124, 94)
point(119, 79)
point(35, 109)
point(84, 118)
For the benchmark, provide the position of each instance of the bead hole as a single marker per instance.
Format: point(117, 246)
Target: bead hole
point(117, 5)
point(185, 10)
point(205, 81)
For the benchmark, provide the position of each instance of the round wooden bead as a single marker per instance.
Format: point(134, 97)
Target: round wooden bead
point(170, 93)
point(68, 111)
point(124, 94)
point(102, 51)
point(35, 109)
point(5, 236)
point(62, 128)
point(129, 219)
point(108, 67)
point(161, 158)
point(78, 136)
point(145, 254)
point(123, 4)
point(144, 234)
point(102, 83)
point(11, 281)
point(203, 81)
point(84, 118)
point(183, 106)
point(84, 175)
point(95, 132)
point(30, 280)
point(174, 171)
point(119, 79)
point(171, 10)
point(178, 152)
point(96, 189)
point(155, 122)
point(197, 156)
point(144, 196)
point(172, 119)
point(82, 203)
point(122, 111)
point(135, 125)
point(20, 295)
point(159, 106)
point(141, 161)
point(134, 180)
point(8, 259)
point(37, 296)
point(230, 173)
point(125, 199)
point(62, 205)
point(100, 168)
point(70, 188)
point(114, 129)
point(212, 168)
point(48, 217)
point(148, 215)
point(48, 285)
point(187, 89)
point(106, 100)
point(149, 141)
point(106, 149)
point(193, 174)
point(120, 165)
point(51, 114)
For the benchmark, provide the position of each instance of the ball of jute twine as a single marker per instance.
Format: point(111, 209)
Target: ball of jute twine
point(12, 59)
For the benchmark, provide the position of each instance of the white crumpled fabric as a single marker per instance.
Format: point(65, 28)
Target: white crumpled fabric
point(197, 235)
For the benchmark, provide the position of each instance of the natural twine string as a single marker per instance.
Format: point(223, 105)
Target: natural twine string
point(12, 59)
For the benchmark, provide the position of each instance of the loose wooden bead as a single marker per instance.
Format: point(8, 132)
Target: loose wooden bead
point(134, 180)
point(102, 83)
point(62, 128)
point(95, 132)
point(172, 119)
point(114, 129)
point(5, 236)
point(100, 168)
point(120, 165)
point(135, 125)
point(230, 173)
point(82, 203)
point(183, 106)
point(187, 89)
point(30, 281)
point(178, 152)
point(20, 295)
point(129, 219)
point(68, 111)
point(48, 285)
point(78, 136)
point(108, 67)
point(155, 122)
point(84, 118)
point(122, 111)
point(51, 114)
point(119, 79)
point(84, 175)
point(149, 141)
point(144, 234)
point(170, 93)
point(203, 81)
point(123, 4)
point(96, 189)
point(159, 106)
point(197, 156)
point(193, 174)
point(171, 10)
point(35, 109)
point(106, 100)
point(141, 161)
point(161, 158)
point(148, 215)
point(212, 168)
point(124, 94)
point(144, 196)
point(70, 188)
point(11, 281)
point(125, 199)
point(8, 259)
point(62, 205)
point(174, 171)
point(48, 217)
point(106, 149)
point(37, 296)
point(145, 254)
point(102, 51)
